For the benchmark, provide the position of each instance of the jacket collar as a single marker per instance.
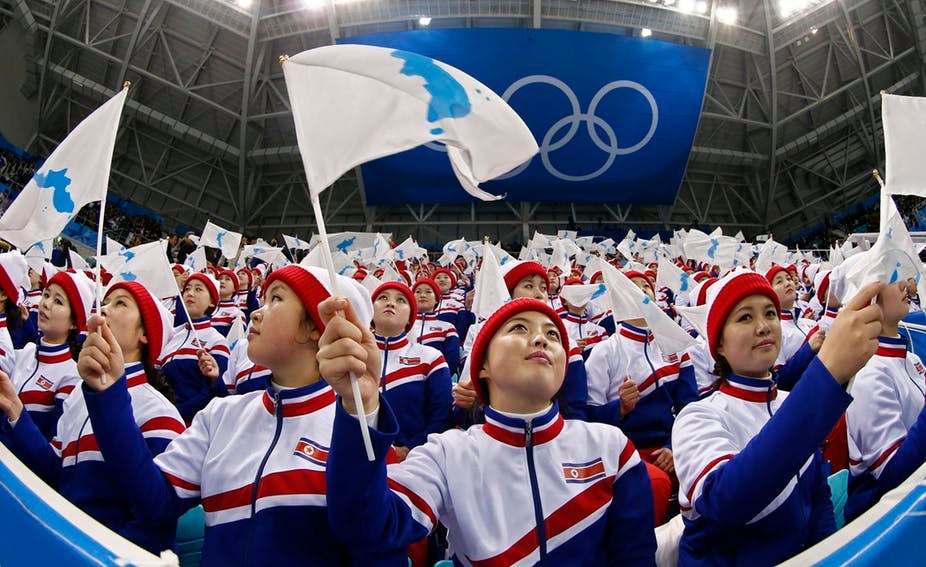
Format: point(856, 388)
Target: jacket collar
point(52, 354)
point(512, 430)
point(636, 333)
point(299, 401)
point(892, 347)
point(391, 343)
point(761, 390)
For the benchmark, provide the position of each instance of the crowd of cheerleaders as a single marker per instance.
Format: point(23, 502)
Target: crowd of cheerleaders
point(551, 433)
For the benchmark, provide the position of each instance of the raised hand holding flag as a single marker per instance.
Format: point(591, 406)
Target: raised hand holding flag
point(354, 103)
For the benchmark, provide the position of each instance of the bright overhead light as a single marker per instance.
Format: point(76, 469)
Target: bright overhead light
point(646, 32)
point(686, 5)
point(669, 2)
point(726, 15)
point(313, 4)
point(701, 7)
point(246, 4)
point(424, 20)
point(813, 30)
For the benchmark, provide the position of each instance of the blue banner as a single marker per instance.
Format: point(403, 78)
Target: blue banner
point(614, 116)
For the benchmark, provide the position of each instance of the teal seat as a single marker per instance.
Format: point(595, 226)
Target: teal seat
point(191, 528)
point(839, 489)
point(444, 563)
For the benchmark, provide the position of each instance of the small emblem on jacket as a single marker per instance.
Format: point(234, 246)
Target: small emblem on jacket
point(311, 451)
point(919, 367)
point(670, 358)
point(583, 472)
point(409, 361)
point(44, 383)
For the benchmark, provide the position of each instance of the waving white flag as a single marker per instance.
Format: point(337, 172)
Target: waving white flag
point(904, 119)
point(490, 290)
point(146, 264)
point(377, 102)
point(892, 258)
point(225, 240)
point(295, 243)
point(75, 174)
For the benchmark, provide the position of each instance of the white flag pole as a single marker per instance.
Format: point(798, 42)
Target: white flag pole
point(98, 288)
point(332, 275)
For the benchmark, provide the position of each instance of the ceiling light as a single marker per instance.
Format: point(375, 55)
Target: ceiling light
point(669, 2)
point(646, 32)
point(726, 15)
point(701, 7)
point(313, 4)
point(686, 5)
point(424, 20)
point(246, 4)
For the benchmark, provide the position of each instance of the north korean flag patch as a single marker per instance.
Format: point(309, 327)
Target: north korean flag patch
point(580, 473)
point(409, 361)
point(919, 367)
point(311, 451)
point(44, 383)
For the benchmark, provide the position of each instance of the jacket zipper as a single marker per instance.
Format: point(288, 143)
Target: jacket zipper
point(278, 410)
point(382, 379)
point(535, 492)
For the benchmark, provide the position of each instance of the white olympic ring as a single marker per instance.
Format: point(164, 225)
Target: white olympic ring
point(573, 120)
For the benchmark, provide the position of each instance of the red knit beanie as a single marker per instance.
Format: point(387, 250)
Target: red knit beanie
point(723, 296)
point(236, 282)
point(212, 285)
point(428, 282)
point(409, 296)
point(492, 325)
point(312, 285)
point(638, 274)
point(453, 277)
point(774, 271)
point(156, 320)
point(79, 290)
point(520, 270)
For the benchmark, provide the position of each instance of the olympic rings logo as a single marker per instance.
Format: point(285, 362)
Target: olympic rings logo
point(611, 146)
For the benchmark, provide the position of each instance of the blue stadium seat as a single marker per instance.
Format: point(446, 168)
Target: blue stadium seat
point(191, 528)
point(839, 489)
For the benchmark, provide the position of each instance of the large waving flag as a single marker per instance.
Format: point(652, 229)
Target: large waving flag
point(146, 264)
point(75, 174)
point(904, 119)
point(356, 103)
point(225, 240)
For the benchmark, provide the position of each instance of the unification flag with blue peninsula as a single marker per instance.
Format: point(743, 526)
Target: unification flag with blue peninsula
point(378, 101)
point(75, 174)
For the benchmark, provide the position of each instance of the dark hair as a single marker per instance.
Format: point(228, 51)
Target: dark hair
point(14, 316)
point(76, 343)
point(211, 309)
point(722, 370)
point(156, 377)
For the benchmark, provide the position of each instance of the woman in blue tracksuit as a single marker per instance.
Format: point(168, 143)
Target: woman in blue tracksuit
point(752, 482)
point(72, 462)
point(415, 378)
point(45, 374)
point(526, 487)
point(256, 462)
point(181, 360)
